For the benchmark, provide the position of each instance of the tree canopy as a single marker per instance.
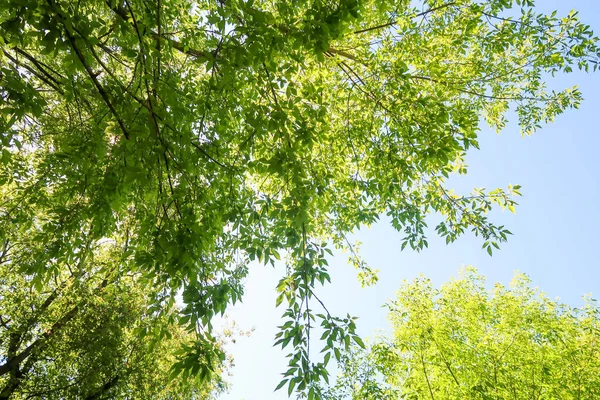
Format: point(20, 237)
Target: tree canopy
point(197, 136)
point(462, 341)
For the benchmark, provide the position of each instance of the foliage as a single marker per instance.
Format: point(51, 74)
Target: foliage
point(88, 334)
point(463, 342)
point(200, 135)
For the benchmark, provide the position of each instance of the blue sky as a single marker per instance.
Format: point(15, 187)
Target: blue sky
point(556, 232)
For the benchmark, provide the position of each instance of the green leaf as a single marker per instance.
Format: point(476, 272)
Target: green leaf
point(291, 386)
point(358, 341)
point(281, 384)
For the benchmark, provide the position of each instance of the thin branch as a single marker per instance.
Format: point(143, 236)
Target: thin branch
point(198, 54)
point(471, 92)
point(35, 73)
point(271, 86)
point(342, 53)
point(201, 150)
point(421, 14)
point(103, 389)
point(42, 66)
point(89, 71)
point(426, 376)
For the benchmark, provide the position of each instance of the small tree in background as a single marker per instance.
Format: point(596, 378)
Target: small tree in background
point(465, 342)
point(89, 333)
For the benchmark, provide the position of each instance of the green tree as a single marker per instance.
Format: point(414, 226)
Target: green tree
point(206, 134)
point(89, 334)
point(465, 342)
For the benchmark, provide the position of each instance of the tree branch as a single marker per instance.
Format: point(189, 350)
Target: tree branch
point(198, 54)
point(88, 69)
point(421, 14)
point(103, 389)
point(35, 73)
point(41, 66)
point(13, 363)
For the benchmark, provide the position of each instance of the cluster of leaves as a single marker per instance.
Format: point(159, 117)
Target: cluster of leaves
point(337, 333)
point(461, 341)
point(204, 134)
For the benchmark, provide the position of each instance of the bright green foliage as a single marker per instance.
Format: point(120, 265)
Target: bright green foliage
point(204, 134)
point(463, 342)
point(88, 334)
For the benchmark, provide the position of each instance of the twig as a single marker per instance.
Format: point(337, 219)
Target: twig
point(421, 14)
